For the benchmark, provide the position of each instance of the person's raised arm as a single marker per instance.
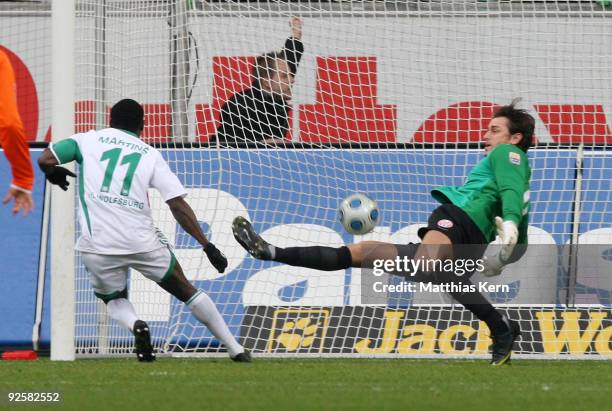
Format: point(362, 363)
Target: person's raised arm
point(294, 48)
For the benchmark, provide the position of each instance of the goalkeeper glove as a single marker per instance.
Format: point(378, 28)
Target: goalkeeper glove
point(508, 233)
point(216, 257)
point(57, 175)
point(493, 266)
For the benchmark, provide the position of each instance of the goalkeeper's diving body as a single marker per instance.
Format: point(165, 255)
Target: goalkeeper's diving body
point(494, 199)
point(117, 231)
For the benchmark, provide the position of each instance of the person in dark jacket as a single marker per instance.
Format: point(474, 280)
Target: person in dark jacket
point(259, 114)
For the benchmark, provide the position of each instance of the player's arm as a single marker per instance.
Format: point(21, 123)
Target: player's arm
point(172, 191)
point(511, 173)
point(49, 162)
point(185, 216)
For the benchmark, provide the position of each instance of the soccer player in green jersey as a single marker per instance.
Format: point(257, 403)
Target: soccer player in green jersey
point(117, 229)
point(493, 200)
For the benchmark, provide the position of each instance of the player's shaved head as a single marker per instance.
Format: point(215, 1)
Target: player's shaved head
point(127, 114)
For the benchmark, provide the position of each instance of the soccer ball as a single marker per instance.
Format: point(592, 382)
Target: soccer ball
point(359, 214)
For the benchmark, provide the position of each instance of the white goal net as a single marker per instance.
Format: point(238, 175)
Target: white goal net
point(390, 99)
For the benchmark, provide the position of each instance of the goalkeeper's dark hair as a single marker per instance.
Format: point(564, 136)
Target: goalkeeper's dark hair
point(519, 121)
point(127, 114)
point(265, 65)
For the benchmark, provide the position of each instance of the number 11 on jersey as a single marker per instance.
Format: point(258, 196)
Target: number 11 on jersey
point(113, 157)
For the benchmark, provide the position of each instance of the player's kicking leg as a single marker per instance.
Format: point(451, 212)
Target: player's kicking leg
point(436, 245)
point(204, 309)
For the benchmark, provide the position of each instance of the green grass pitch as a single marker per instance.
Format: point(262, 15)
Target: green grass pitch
point(314, 384)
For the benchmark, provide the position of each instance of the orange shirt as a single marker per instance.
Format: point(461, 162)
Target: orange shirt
point(12, 133)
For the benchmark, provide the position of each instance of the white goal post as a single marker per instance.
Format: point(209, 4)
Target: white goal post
point(390, 99)
point(62, 233)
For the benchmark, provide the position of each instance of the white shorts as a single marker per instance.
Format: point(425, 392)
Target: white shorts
point(108, 273)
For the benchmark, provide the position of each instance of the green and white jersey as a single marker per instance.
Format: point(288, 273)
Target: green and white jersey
point(497, 186)
point(116, 171)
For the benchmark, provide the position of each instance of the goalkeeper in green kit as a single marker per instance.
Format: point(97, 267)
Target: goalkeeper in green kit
point(493, 200)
